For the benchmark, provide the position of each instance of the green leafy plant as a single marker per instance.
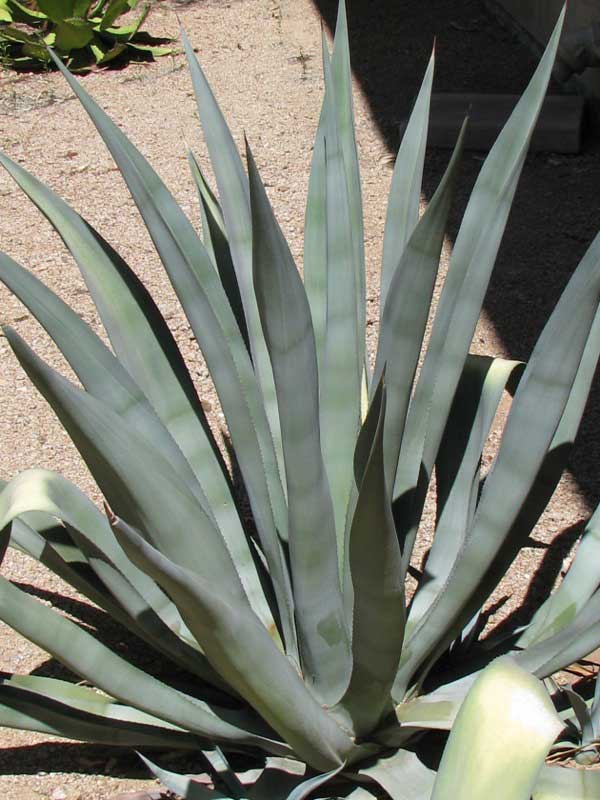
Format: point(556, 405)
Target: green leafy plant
point(83, 33)
point(312, 673)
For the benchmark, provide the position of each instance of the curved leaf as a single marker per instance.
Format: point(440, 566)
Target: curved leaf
point(135, 479)
point(501, 736)
point(90, 659)
point(111, 724)
point(239, 647)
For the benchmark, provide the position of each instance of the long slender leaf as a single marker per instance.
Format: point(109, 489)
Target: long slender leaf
point(315, 230)
point(341, 378)
point(405, 191)
point(26, 710)
point(457, 470)
point(235, 202)
point(406, 311)
point(572, 642)
point(402, 775)
point(183, 785)
point(130, 609)
point(215, 240)
point(341, 85)
point(48, 493)
point(286, 320)
point(99, 371)
point(137, 331)
point(578, 585)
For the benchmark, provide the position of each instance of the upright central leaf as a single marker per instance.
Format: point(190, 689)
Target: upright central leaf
point(341, 381)
point(324, 641)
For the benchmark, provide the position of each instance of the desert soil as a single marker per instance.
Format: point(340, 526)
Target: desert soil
point(263, 60)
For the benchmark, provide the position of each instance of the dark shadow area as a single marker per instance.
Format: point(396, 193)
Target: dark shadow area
point(556, 212)
point(88, 759)
point(542, 580)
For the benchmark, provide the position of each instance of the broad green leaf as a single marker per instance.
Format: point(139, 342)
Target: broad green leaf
point(287, 326)
point(85, 656)
point(73, 34)
point(154, 50)
point(405, 191)
point(235, 202)
point(10, 33)
point(103, 53)
point(378, 595)
point(81, 8)
point(113, 10)
point(500, 739)
point(205, 303)
point(462, 297)
point(404, 317)
point(56, 10)
point(562, 783)
point(22, 13)
point(240, 649)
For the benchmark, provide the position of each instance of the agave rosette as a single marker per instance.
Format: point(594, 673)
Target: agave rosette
point(304, 652)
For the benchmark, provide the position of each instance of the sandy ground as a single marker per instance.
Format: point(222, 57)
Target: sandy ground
point(263, 60)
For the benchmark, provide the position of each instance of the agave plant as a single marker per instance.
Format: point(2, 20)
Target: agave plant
point(83, 32)
point(307, 658)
